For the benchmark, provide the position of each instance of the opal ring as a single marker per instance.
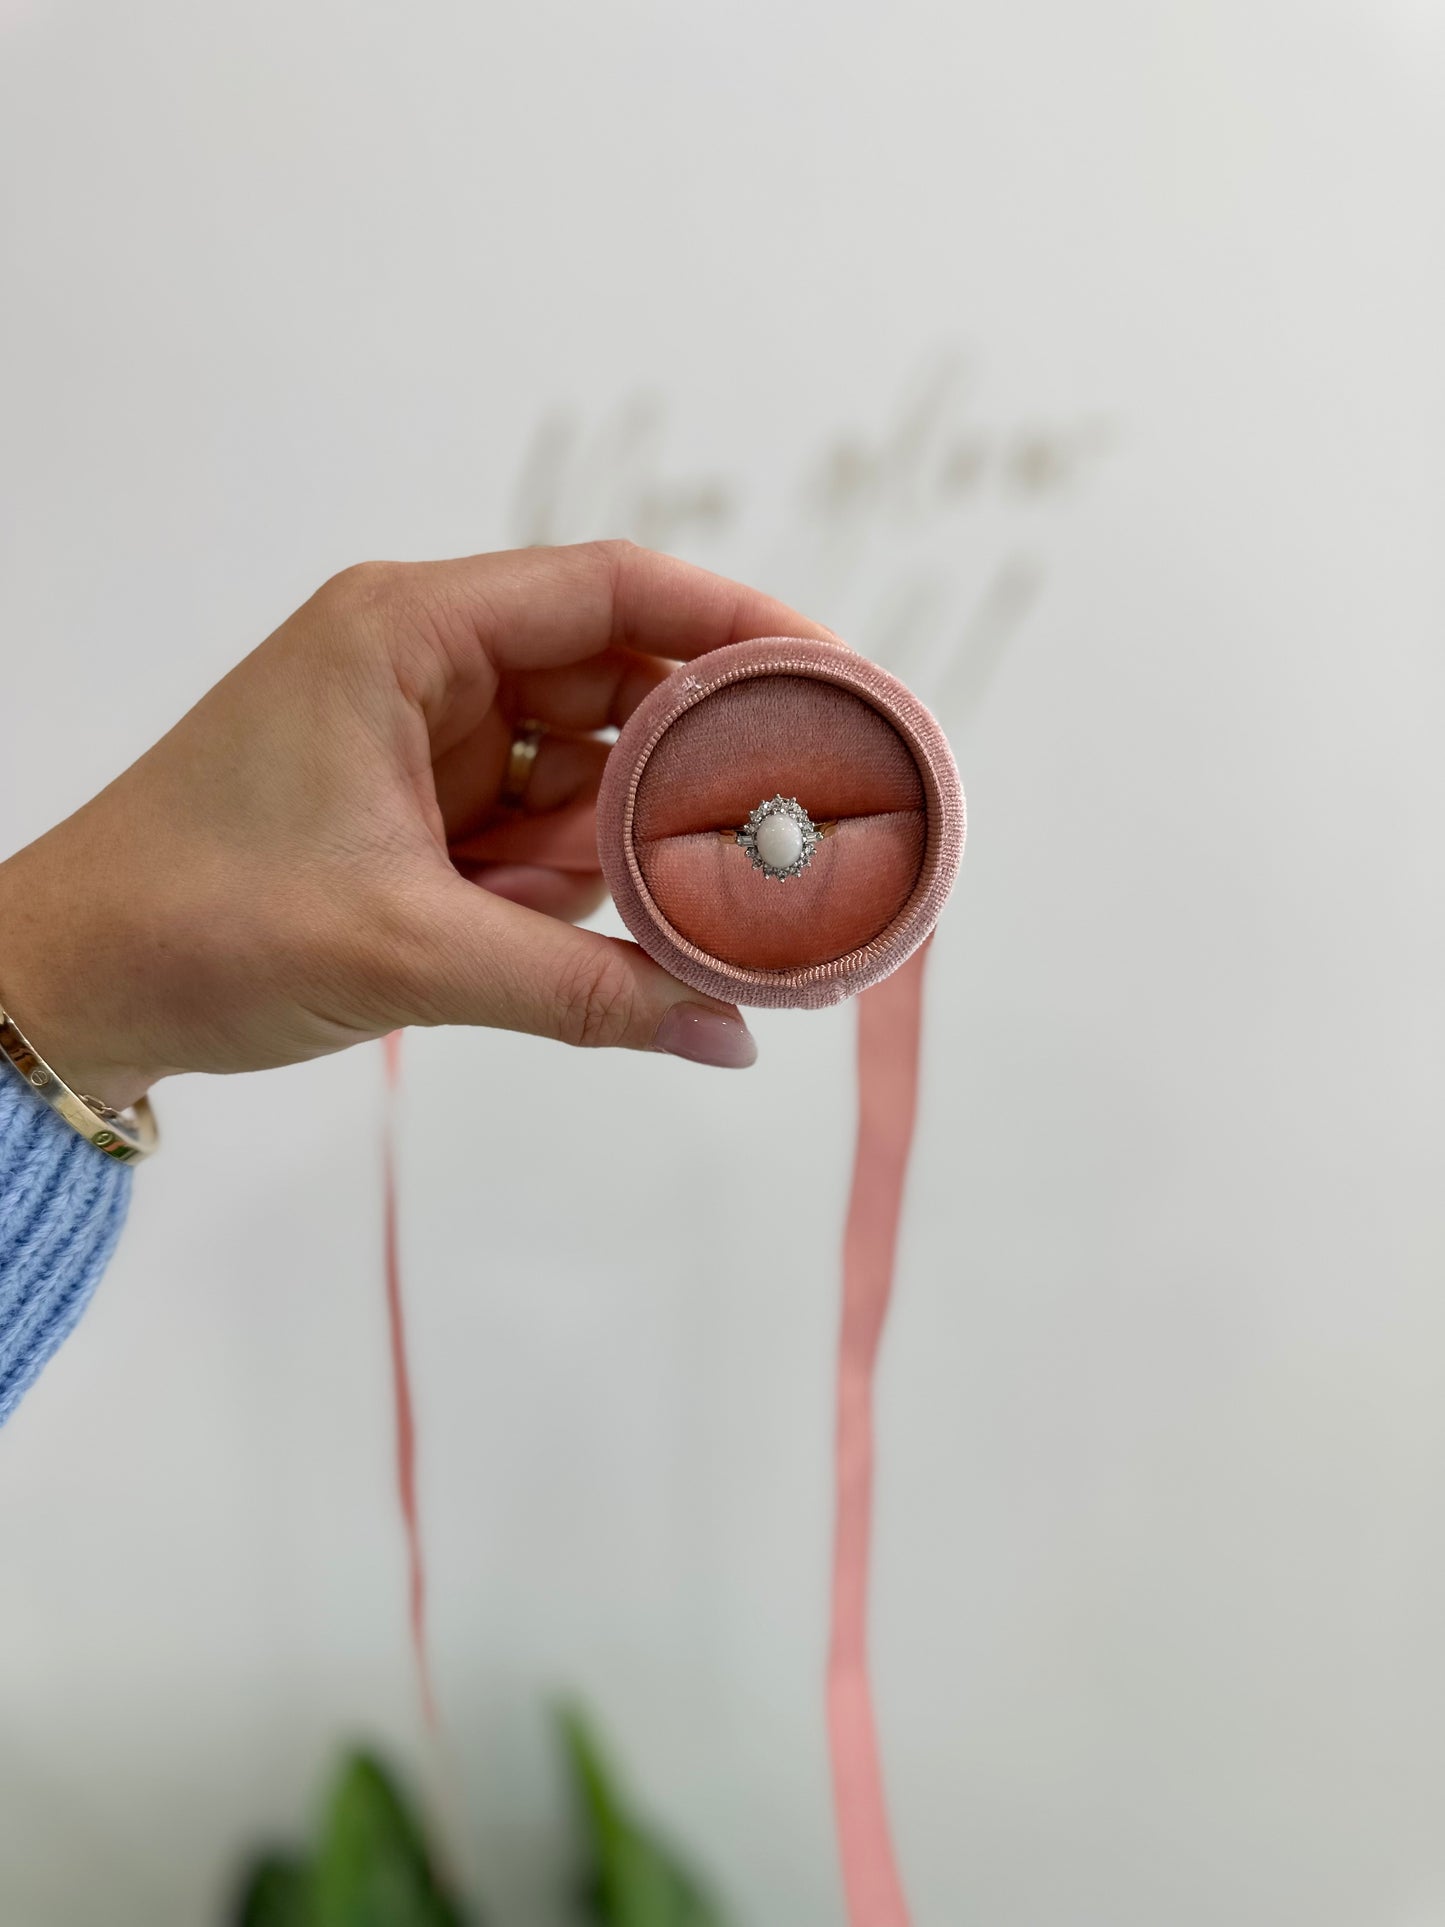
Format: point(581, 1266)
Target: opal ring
point(521, 755)
point(780, 837)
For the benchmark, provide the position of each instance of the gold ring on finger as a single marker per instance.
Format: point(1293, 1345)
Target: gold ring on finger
point(521, 756)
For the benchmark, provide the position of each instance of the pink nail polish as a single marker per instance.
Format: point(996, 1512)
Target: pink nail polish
point(706, 1036)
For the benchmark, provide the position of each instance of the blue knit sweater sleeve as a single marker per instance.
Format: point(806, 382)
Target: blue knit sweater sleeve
point(62, 1205)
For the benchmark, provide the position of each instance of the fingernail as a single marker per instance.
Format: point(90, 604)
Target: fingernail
point(706, 1036)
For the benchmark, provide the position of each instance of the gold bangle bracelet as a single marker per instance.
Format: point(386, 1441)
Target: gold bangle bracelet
point(128, 1137)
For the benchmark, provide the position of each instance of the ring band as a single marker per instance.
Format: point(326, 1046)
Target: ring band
point(521, 755)
point(127, 1137)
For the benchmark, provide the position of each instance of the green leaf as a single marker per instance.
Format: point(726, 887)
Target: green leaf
point(634, 1880)
point(278, 1893)
point(374, 1869)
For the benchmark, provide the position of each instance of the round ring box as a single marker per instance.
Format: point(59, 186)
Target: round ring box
point(810, 721)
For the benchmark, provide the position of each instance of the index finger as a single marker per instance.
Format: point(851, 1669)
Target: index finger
point(538, 608)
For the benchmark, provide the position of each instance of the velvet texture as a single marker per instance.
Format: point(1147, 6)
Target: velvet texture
point(842, 760)
point(854, 747)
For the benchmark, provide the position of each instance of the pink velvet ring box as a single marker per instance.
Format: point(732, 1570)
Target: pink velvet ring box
point(807, 720)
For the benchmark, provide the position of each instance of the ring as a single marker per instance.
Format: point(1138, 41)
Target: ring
point(780, 837)
point(521, 755)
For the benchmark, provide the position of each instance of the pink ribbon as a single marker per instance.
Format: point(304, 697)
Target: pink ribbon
point(889, 1036)
point(401, 1394)
point(890, 1017)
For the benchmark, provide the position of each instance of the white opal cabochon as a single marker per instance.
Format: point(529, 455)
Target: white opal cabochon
point(779, 839)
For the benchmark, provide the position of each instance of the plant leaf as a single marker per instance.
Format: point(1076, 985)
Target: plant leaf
point(634, 1879)
point(277, 1893)
point(374, 1869)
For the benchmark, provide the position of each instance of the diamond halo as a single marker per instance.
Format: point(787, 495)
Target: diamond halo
point(808, 837)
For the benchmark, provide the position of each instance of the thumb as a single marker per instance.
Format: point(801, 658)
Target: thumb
point(485, 960)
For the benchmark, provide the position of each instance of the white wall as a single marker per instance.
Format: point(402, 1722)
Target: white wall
point(1159, 291)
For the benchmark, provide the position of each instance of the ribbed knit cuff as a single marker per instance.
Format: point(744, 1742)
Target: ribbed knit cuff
point(62, 1205)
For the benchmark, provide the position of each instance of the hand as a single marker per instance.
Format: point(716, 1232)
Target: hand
point(296, 866)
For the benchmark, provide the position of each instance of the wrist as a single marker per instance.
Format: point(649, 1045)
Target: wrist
point(59, 978)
